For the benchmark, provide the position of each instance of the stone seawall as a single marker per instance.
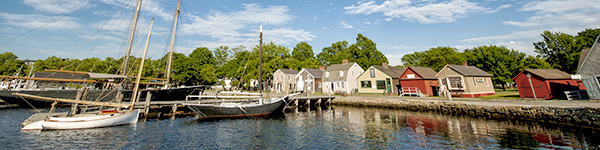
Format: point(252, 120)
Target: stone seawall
point(576, 116)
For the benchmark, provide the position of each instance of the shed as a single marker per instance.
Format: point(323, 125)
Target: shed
point(547, 83)
point(589, 70)
point(420, 78)
point(465, 81)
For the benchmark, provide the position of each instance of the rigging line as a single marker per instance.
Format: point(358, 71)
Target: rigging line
point(191, 24)
point(45, 24)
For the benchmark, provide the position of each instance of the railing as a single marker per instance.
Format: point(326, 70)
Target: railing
point(411, 91)
point(576, 95)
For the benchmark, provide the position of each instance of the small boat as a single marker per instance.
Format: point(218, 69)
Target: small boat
point(227, 109)
point(84, 121)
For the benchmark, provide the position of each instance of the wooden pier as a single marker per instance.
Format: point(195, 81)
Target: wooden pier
point(162, 109)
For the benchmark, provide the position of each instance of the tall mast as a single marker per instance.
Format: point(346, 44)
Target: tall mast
point(172, 45)
point(131, 34)
point(260, 85)
point(139, 74)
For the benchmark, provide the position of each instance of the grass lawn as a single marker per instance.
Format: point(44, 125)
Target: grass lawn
point(500, 94)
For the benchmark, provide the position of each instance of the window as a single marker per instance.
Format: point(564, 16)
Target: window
point(380, 84)
point(410, 76)
point(319, 84)
point(456, 83)
point(372, 70)
point(341, 73)
point(365, 84)
point(342, 84)
point(480, 80)
point(327, 74)
point(310, 77)
point(289, 77)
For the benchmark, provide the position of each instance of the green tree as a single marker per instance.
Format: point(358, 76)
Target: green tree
point(365, 53)
point(560, 50)
point(587, 37)
point(221, 54)
point(531, 62)
point(11, 65)
point(303, 51)
point(435, 58)
point(333, 54)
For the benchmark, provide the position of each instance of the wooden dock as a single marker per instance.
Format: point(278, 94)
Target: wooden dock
point(160, 109)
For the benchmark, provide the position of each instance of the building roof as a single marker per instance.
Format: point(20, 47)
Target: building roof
point(469, 71)
point(549, 73)
point(288, 71)
point(391, 71)
point(338, 67)
point(424, 72)
point(590, 66)
point(584, 53)
point(317, 73)
point(61, 75)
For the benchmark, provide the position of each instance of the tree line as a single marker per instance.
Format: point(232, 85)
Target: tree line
point(557, 50)
point(203, 66)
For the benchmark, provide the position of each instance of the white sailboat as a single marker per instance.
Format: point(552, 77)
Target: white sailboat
point(104, 118)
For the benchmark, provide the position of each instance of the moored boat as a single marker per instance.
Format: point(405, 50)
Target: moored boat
point(224, 109)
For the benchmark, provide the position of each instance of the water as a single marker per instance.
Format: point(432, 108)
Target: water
point(336, 128)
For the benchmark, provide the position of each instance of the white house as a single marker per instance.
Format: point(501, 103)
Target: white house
point(341, 78)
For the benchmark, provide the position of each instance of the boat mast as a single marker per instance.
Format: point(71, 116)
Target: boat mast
point(167, 85)
point(131, 34)
point(139, 74)
point(260, 86)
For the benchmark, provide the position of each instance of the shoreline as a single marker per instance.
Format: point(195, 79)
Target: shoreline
point(575, 113)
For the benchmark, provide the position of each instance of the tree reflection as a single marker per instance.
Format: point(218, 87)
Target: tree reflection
point(516, 139)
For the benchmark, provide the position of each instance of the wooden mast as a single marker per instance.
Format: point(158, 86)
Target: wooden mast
point(131, 35)
point(137, 79)
point(260, 85)
point(167, 84)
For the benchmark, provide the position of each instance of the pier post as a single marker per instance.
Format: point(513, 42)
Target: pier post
point(173, 111)
point(147, 104)
point(318, 102)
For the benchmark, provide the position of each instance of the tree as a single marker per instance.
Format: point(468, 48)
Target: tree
point(221, 54)
point(435, 58)
point(364, 52)
point(501, 62)
point(587, 37)
point(560, 50)
point(11, 65)
point(303, 51)
point(531, 62)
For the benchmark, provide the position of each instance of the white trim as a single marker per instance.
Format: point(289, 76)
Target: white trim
point(480, 92)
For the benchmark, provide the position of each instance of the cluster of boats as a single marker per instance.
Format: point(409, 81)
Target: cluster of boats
point(103, 108)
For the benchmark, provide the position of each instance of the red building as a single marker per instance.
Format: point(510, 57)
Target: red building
point(421, 78)
point(547, 83)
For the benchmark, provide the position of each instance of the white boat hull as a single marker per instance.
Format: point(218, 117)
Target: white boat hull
point(95, 121)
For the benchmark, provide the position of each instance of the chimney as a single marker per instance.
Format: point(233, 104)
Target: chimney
point(465, 63)
point(322, 67)
point(291, 68)
point(384, 64)
point(344, 61)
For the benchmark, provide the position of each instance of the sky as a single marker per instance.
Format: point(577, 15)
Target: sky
point(37, 29)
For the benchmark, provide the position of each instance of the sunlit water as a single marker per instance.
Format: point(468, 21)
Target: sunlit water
point(335, 128)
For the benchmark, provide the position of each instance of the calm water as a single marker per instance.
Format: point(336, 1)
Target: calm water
point(335, 128)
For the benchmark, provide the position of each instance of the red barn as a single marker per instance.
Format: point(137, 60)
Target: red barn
point(421, 78)
point(547, 83)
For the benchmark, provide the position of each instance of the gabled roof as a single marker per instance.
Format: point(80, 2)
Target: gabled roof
point(391, 71)
point(317, 73)
point(549, 73)
point(590, 66)
point(424, 72)
point(469, 71)
point(584, 54)
point(287, 71)
point(338, 67)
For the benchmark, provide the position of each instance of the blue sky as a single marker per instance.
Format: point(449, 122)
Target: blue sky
point(98, 28)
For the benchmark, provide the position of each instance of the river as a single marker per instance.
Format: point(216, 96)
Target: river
point(330, 128)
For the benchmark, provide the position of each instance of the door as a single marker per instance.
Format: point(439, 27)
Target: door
point(300, 84)
point(388, 85)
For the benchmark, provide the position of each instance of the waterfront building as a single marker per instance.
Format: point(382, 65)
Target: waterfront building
point(547, 83)
point(589, 70)
point(380, 80)
point(283, 80)
point(465, 81)
point(309, 80)
point(419, 79)
point(341, 78)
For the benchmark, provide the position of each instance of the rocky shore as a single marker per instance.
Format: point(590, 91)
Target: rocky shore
point(576, 113)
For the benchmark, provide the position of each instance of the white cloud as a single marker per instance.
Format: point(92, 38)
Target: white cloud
point(422, 12)
point(35, 21)
point(552, 13)
point(345, 25)
point(237, 27)
point(499, 8)
point(152, 7)
point(57, 6)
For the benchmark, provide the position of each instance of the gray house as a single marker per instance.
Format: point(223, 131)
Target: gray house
point(589, 69)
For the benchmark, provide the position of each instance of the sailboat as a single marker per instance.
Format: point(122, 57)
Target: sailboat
point(236, 108)
point(104, 118)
